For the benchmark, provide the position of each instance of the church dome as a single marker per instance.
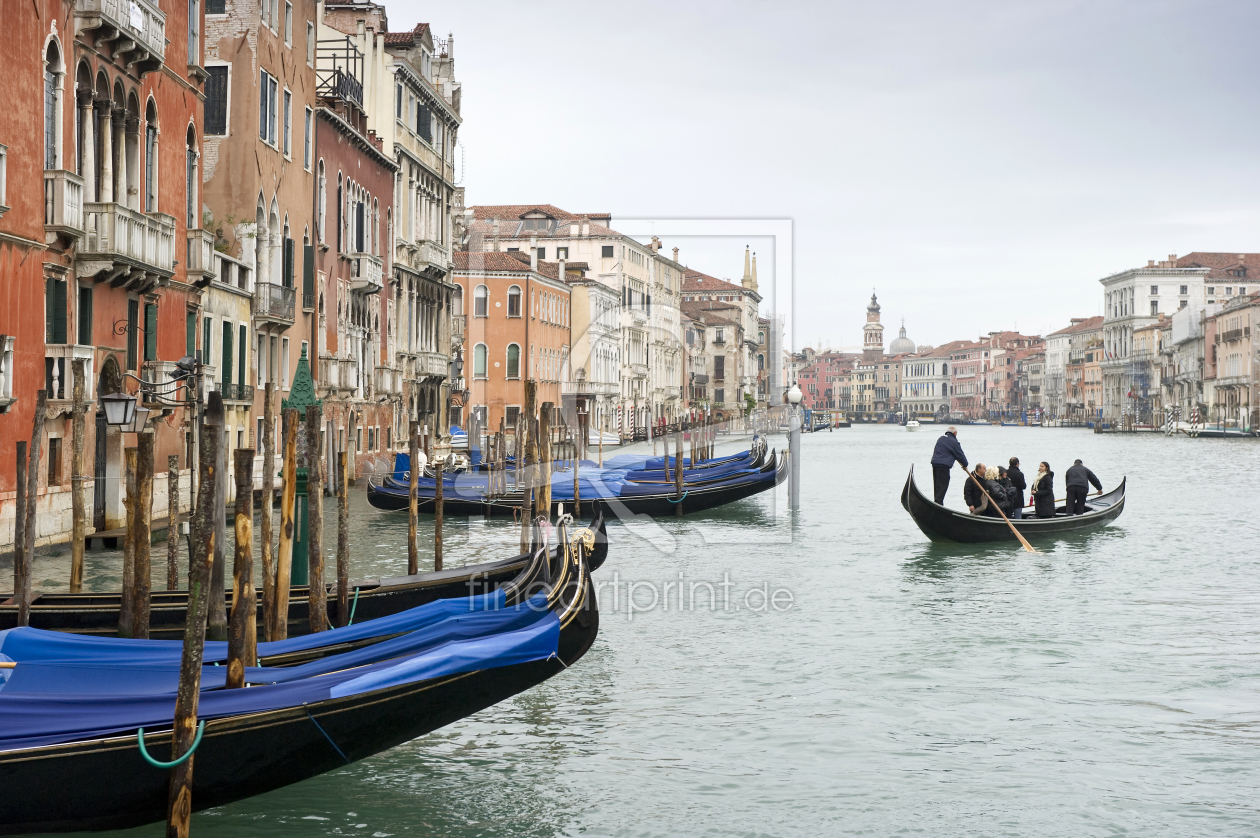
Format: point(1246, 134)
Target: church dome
point(874, 306)
point(902, 345)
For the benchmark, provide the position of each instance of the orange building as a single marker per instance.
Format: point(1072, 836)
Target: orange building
point(518, 329)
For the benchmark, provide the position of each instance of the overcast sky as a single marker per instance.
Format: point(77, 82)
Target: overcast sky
point(981, 165)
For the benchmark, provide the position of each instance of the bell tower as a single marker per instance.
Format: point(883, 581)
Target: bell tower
point(872, 333)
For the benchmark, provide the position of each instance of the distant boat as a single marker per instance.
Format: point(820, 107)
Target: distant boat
point(912, 425)
point(609, 438)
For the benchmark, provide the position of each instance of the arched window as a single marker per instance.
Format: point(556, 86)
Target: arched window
point(481, 302)
point(479, 361)
point(320, 225)
point(52, 106)
point(376, 227)
point(944, 369)
point(514, 301)
point(513, 361)
point(150, 157)
point(339, 212)
point(457, 301)
point(190, 186)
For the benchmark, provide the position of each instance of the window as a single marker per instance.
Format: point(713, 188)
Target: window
point(607, 251)
point(481, 301)
point(243, 343)
point(266, 12)
point(1242, 290)
point(217, 100)
point(1211, 290)
point(310, 43)
point(216, 7)
point(284, 363)
point(323, 203)
point(514, 301)
point(288, 123)
point(4, 168)
point(55, 310)
point(267, 88)
point(226, 367)
point(84, 337)
point(207, 327)
point(511, 415)
point(398, 100)
point(1185, 289)
point(479, 361)
point(1154, 308)
point(52, 104)
point(54, 461)
point(1184, 302)
point(190, 183)
point(288, 23)
point(562, 253)
point(513, 361)
point(719, 395)
point(151, 159)
point(190, 333)
point(424, 123)
point(1155, 290)
point(542, 253)
point(307, 138)
point(1228, 290)
point(260, 365)
point(719, 368)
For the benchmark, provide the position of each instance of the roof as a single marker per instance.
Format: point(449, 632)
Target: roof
point(696, 281)
point(1089, 324)
point(521, 210)
point(511, 227)
point(708, 311)
point(407, 39)
point(465, 262)
point(1219, 264)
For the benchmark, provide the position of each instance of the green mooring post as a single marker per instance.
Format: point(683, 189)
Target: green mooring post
point(302, 396)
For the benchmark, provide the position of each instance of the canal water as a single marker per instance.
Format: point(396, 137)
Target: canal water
point(1110, 685)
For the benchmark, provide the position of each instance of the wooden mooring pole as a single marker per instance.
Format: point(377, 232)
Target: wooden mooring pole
point(544, 458)
point(179, 793)
point(343, 541)
point(127, 603)
point(216, 595)
point(284, 558)
point(142, 578)
point(243, 622)
point(21, 566)
point(413, 503)
point(172, 522)
point(438, 507)
point(268, 501)
point(32, 496)
point(678, 475)
point(317, 593)
point(78, 514)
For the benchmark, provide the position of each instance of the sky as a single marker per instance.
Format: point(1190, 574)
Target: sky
point(979, 165)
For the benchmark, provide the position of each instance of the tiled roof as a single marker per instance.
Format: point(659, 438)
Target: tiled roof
point(1087, 325)
point(406, 39)
point(510, 227)
point(712, 312)
point(1220, 264)
point(466, 262)
point(695, 281)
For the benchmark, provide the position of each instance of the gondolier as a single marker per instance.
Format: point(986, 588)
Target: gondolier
point(1078, 481)
point(947, 452)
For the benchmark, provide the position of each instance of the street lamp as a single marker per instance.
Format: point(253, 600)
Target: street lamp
point(120, 408)
point(794, 449)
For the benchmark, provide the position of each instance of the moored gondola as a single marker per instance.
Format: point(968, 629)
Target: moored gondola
point(941, 523)
point(97, 613)
point(254, 743)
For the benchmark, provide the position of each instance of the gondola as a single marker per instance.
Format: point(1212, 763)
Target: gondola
point(617, 499)
point(97, 613)
point(941, 523)
point(324, 723)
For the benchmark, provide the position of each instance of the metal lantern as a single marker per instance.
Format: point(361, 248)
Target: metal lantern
point(120, 409)
point(794, 395)
point(140, 417)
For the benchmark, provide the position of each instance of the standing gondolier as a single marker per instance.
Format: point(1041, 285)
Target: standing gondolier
point(1078, 480)
point(943, 457)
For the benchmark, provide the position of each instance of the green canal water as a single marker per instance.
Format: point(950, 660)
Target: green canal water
point(1110, 686)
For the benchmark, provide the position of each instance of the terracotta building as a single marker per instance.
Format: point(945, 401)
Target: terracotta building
point(99, 232)
point(519, 319)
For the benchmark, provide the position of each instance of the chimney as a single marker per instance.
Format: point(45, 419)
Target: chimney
point(1150, 263)
point(575, 227)
point(533, 253)
point(675, 254)
point(563, 275)
point(586, 226)
point(495, 224)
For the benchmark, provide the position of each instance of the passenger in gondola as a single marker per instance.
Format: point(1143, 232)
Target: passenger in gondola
point(1017, 480)
point(997, 493)
point(973, 494)
point(1078, 481)
point(946, 453)
point(1043, 491)
point(1010, 495)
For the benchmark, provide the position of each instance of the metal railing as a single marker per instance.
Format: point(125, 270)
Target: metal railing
point(274, 301)
point(339, 70)
point(233, 391)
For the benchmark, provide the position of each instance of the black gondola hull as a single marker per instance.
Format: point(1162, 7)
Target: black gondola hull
point(940, 523)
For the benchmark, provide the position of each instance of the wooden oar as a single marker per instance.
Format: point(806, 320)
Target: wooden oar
point(8, 664)
point(1060, 500)
point(1018, 535)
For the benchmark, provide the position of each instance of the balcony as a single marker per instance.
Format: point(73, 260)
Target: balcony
point(63, 204)
point(388, 381)
point(1231, 335)
point(639, 316)
point(200, 257)
point(235, 392)
point(639, 370)
point(431, 365)
point(274, 303)
point(137, 29)
point(339, 70)
point(458, 323)
point(158, 377)
point(59, 375)
point(338, 374)
point(433, 256)
point(308, 302)
point(366, 273)
point(125, 247)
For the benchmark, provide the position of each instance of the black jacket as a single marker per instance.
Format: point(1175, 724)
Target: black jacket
point(1079, 477)
point(1043, 497)
point(947, 451)
point(1017, 480)
point(972, 495)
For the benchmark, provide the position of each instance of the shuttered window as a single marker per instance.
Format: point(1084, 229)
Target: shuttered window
point(287, 277)
point(243, 343)
point(190, 347)
point(206, 335)
point(133, 325)
point(227, 352)
point(85, 317)
point(150, 332)
point(55, 311)
point(217, 100)
point(308, 275)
